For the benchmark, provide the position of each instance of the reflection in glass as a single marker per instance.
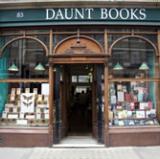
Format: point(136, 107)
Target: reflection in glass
point(26, 54)
point(131, 53)
point(132, 104)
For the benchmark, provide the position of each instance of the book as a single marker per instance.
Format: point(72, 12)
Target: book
point(140, 114)
point(120, 96)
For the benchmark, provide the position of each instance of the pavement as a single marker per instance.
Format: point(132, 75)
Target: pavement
point(81, 153)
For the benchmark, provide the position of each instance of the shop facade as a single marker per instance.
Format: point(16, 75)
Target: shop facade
point(52, 53)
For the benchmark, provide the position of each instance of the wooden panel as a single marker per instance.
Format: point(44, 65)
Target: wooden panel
point(106, 47)
point(25, 80)
point(50, 41)
point(134, 136)
point(106, 103)
point(80, 60)
point(157, 71)
point(64, 93)
point(94, 107)
point(23, 138)
point(134, 79)
point(51, 102)
point(78, 45)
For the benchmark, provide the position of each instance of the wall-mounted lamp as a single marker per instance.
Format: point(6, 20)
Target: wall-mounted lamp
point(144, 66)
point(118, 66)
point(13, 68)
point(39, 67)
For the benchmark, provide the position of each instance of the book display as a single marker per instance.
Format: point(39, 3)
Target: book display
point(27, 108)
point(131, 104)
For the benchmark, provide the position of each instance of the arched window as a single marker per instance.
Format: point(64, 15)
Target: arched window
point(132, 53)
point(25, 55)
point(132, 68)
point(24, 83)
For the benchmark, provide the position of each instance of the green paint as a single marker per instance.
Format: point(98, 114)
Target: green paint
point(3, 75)
point(71, 16)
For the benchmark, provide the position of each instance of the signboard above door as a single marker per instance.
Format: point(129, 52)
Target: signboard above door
point(80, 16)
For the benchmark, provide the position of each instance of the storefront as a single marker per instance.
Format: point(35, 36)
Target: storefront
point(93, 68)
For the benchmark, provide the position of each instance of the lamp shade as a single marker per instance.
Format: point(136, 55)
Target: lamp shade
point(39, 67)
point(13, 68)
point(118, 66)
point(144, 66)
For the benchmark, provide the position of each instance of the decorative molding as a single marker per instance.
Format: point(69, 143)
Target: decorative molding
point(78, 45)
point(24, 37)
point(133, 36)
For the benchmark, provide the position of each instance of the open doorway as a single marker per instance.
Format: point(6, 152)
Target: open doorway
point(78, 98)
point(79, 108)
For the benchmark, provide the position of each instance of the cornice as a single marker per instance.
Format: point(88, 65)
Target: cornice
point(22, 4)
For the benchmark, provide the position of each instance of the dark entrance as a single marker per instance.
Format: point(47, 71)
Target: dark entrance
point(80, 106)
point(78, 101)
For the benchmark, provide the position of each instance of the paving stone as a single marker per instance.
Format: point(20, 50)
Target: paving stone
point(81, 153)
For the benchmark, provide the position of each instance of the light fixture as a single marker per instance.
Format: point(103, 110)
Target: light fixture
point(39, 67)
point(118, 66)
point(13, 68)
point(144, 66)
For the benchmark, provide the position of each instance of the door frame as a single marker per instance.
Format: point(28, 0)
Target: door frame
point(52, 103)
point(78, 58)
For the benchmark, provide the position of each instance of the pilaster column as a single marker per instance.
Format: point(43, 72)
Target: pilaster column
point(106, 107)
point(51, 102)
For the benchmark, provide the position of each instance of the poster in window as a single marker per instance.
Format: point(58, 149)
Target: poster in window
point(45, 88)
point(27, 102)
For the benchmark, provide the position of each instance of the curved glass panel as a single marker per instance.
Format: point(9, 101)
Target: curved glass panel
point(23, 103)
point(132, 54)
point(21, 58)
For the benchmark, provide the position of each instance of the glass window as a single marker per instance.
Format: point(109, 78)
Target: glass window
point(98, 37)
point(24, 103)
point(132, 103)
point(74, 78)
point(83, 79)
point(136, 58)
point(132, 98)
point(25, 59)
point(57, 38)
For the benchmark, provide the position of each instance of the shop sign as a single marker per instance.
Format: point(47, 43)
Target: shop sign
point(56, 16)
point(91, 13)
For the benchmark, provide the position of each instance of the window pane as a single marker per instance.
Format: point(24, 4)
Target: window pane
point(74, 78)
point(133, 104)
point(24, 104)
point(132, 54)
point(83, 79)
point(21, 57)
